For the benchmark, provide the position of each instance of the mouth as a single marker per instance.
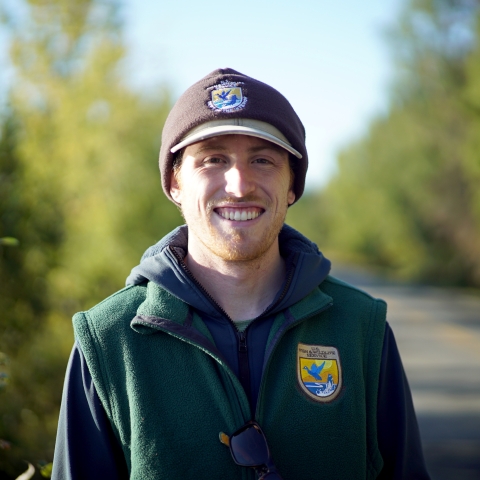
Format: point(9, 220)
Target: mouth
point(239, 214)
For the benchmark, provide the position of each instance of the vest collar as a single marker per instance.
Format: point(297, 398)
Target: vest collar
point(162, 310)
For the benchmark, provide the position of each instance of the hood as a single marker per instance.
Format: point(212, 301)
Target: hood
point(159, 264)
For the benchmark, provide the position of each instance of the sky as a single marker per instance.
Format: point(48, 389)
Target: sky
point(330, 59)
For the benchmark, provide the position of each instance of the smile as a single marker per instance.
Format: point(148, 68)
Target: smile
point(239, 214)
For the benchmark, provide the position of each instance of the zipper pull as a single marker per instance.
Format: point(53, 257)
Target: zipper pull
point(242, 344)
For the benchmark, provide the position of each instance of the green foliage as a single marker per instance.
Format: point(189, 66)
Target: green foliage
point(79, 190)
point(9, 242)
point(406, 195)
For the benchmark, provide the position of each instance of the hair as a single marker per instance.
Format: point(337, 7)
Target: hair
point(177, 163)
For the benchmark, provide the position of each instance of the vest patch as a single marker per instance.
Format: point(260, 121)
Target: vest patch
point(227, 96)
point(319, 372)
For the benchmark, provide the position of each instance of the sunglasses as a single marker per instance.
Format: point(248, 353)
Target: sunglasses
point(249, 448)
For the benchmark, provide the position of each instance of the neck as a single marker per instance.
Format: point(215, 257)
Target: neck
point(243, 289)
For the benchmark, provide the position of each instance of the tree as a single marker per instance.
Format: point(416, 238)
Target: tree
point(406, 194)
point(80, 191)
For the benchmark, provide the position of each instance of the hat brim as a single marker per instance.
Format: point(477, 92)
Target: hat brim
point(253, 128)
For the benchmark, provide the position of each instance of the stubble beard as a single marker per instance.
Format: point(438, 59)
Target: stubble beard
point(237, 245)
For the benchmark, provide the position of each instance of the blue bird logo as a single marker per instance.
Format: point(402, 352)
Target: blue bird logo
point(227, 98)
point(315, 370)
point(232, 101)
point(224, 95)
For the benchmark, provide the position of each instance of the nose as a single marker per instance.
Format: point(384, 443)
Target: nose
point(239, 181)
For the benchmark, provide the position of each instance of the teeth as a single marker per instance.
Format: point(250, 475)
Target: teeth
point(237, 215)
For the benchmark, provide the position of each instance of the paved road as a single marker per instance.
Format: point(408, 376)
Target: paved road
point(438, 334)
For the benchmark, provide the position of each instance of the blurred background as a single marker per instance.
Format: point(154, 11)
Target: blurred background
point(389, 93)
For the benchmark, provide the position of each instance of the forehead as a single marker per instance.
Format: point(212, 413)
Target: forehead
point(226, 143)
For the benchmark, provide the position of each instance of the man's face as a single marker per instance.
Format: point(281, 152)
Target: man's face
point(234, 191)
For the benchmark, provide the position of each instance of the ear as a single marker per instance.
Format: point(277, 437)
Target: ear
point(291, 196)
point(175, 190)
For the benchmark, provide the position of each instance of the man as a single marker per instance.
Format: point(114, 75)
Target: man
point(233, 319)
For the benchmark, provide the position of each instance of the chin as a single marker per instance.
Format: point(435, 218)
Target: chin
point(238, 255)
point(236, 248)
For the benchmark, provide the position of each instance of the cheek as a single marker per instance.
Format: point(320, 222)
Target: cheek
point(194, 197)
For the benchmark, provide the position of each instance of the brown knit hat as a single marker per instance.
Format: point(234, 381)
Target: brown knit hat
point(226, 102)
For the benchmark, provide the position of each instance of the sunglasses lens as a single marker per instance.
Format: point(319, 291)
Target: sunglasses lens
point(249, 447)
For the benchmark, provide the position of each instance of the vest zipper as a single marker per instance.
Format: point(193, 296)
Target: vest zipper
point(243, 364)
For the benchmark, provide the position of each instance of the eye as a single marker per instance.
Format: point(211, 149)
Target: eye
point(262, 160)
point(213, 160)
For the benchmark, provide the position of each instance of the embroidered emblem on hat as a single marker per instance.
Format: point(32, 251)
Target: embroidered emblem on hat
point(227, 97)
point(319, 372)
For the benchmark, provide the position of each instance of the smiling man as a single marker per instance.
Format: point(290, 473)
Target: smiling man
point(234, 191)
point(232, 353)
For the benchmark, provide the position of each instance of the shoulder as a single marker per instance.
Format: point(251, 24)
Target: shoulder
point(117, 308)
point(352, 302)
point(336, 287)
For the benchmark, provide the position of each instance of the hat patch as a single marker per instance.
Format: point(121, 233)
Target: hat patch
point(319, 371)
point(227, 97)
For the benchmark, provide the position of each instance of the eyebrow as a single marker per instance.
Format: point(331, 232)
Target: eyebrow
point(210, 146)
point(215, 145)
point(270, 146)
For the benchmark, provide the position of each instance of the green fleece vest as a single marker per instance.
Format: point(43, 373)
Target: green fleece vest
point(168, 393)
